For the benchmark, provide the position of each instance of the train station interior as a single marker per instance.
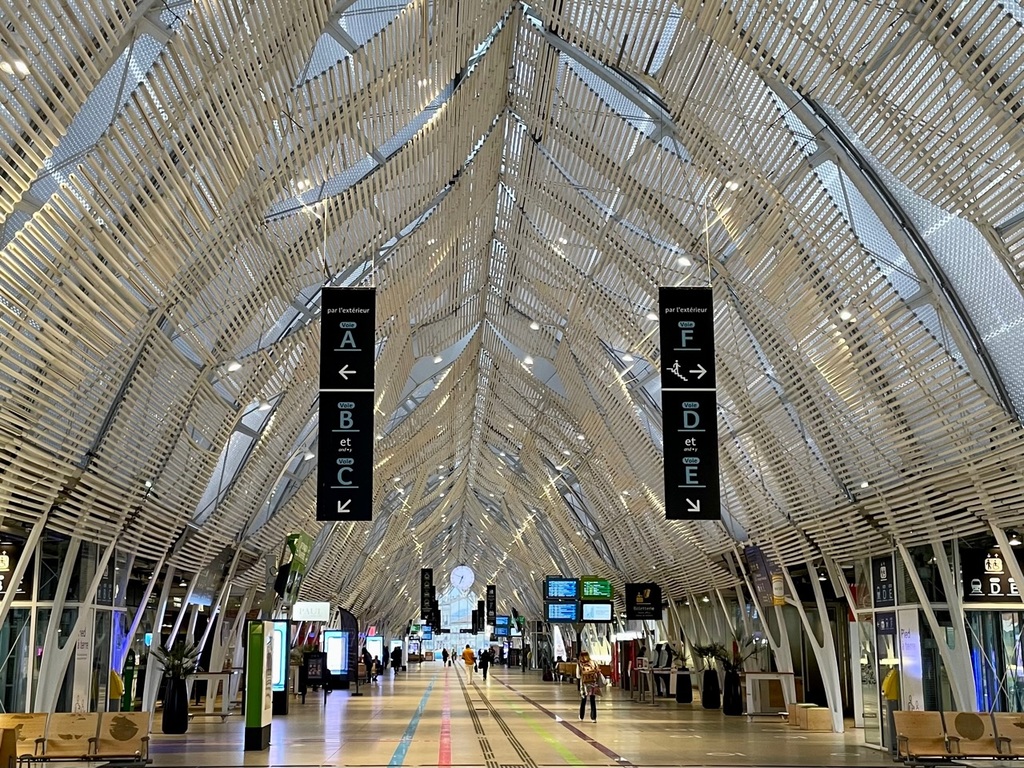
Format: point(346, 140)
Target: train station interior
point(687, 333)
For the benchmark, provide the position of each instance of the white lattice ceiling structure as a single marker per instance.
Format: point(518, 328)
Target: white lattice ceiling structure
point(180, 179)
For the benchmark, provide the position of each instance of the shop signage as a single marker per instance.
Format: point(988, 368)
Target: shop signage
point(643, 601)
point(345, 440)
point(883, 581)
point(986, 577)
point(689, 404)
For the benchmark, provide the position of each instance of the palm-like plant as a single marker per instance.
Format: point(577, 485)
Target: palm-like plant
point(180, 660)
point(709, 653)
point(742, 649)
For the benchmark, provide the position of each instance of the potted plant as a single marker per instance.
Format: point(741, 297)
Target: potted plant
point(178, 662)
point(710, 691)
point(732, 663)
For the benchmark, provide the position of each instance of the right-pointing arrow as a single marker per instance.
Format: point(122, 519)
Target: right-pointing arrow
point(701, 370)
point(694, 506)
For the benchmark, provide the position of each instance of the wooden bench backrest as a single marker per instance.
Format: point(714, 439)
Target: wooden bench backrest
point(123, 734)
point(916, 724)
point(28, 726)
point(8, 747)
point(970, 726)
point(68, 733)
point(1010, 726)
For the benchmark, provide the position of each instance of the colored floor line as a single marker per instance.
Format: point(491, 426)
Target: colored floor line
point(444, 747)
point(607, 752)
point(398, 759)
point(538, 728)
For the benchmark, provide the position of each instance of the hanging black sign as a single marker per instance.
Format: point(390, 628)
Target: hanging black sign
point(426, 591)
point(689, 404)
point(345, 441)
point(986, 577)
point(643, 601)
point(492, 603)
point(883, 582)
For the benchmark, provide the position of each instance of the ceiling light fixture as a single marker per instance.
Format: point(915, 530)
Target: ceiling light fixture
point(822, 576)
point(865, 484)
point(627, 358)
point(534, 326)
point(234, 365)
point(6, 67)
point(562, 240)
point(732, 185)
point(527, 360)
point(683, 261)
point(21, 66)
point(1014, 539)
point(308, 455)
point(581, 436)
point(652, 315)
point(845, 315)
point(438, 359)
point(264, 405)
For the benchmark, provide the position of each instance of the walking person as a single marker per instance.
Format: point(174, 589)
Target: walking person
point(469, 659)
point(591, 681)
point(367, 663)
point(444, 657)
point(485, 661)
point(396, 660)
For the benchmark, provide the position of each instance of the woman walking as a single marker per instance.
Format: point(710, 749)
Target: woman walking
point(590, 678)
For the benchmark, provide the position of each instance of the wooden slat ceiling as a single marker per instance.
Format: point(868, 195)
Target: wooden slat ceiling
point(515, 181)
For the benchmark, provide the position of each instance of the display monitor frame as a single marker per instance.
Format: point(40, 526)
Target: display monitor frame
point(501, 631)
point(549, 581)
point(502, 621)
point(562, 605)
point(596, 580)
point(606, 615)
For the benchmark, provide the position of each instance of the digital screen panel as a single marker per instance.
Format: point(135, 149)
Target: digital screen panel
point(598, 613)
point(501, 621)
point(594, 588)
point(500, 631)
point(562, 612)
point(561, 588)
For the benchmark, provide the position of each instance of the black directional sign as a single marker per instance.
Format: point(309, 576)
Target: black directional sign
point(492, 603)
point(689, 404)
point(426, 592)
point(345, 456)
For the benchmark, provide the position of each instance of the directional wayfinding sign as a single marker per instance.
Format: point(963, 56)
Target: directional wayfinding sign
point(345, 456)
point(689, 404)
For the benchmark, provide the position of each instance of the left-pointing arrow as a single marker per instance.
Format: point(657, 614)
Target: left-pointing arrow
point(345, 373)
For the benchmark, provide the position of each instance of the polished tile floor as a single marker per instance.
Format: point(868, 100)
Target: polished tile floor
point(429, 716)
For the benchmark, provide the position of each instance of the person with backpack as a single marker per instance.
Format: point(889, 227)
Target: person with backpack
point(591, 682)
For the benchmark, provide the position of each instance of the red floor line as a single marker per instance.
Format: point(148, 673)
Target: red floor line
point(444, 749)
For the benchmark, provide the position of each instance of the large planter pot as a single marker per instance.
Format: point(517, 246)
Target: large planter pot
point(684, 687)
point(710, 692)
point(732, 697)
point(175, 716)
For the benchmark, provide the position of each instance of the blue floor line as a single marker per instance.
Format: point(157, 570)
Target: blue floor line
point(398, 759)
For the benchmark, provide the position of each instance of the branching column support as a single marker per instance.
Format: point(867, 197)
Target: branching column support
point(957, 660)
point(32, 554)
point(824, 649)
point(137, 619)
point(154, 669)
point(780, 646)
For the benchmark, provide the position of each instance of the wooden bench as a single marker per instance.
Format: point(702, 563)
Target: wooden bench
point(29, 729)
point(1010, 728)
point(108, 737)
point(122, 737)
point(920, 736)
point(972, 734)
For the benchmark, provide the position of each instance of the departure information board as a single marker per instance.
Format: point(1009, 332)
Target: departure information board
point(593, 588)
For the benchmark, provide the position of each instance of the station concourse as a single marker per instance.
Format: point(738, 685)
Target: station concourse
point(339, 335)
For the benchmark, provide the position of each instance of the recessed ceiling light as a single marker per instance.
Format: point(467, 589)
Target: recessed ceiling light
point(562, 240)
point(438, 359)
point(627, 358)
point(6, 67)
point(534, 326)
point(398, 479)
point(567, 452)
point(845, 315)
point(440, 466)
point(865, 484)
point(652, 315)
point(431, 241)
point(234, 365)
point(510, 426)
point(148, 483)
point(528, 360)
point(308, 455)
point(732, 186)
point(301, 184)
point(21, 67)
point(682, 261)
point(580, 436)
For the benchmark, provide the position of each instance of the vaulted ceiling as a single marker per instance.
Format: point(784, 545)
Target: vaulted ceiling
point(181, 178)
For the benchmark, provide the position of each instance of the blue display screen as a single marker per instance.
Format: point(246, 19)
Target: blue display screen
point(501, 621)
point(501, 631)
point(565, 612)
point(560, 588)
